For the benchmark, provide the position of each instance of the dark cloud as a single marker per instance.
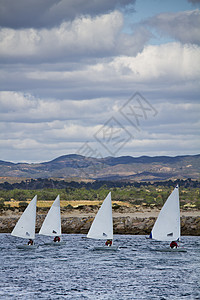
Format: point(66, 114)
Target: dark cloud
point(50, 13)
point(182, 26)
point(194, 1)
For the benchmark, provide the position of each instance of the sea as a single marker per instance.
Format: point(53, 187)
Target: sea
point(74, 271)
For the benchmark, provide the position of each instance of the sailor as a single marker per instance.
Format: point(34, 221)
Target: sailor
point(108, 243)
point(173, 244)
point(56, 239)
point(30, 242)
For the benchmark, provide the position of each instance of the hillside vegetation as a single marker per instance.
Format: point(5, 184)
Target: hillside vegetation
point(93, 193)
point(127, 168)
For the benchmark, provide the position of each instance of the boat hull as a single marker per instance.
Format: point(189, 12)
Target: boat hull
point(27, 247)
point(105, 248)
point(54, 244)
point(170, 250)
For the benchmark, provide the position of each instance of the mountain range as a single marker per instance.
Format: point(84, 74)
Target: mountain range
point(127, 168)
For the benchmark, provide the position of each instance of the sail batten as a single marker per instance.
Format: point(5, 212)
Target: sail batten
point(167, 225)
point(25, 227)
point(102, 226)
point(52, 223)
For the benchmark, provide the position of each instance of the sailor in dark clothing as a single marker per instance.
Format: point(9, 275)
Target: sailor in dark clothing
point(30, 242)
point(173, 244)
point(56, 239)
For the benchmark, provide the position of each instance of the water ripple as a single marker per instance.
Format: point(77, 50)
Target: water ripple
point(72, 271)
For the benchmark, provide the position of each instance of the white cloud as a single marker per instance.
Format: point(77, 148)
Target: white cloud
point(163, 146)
point(62, 82)
point(84, 37)
point(19, 107)
point(168, 62)
point(174, 129)
point(169, 68)
point(13, 101)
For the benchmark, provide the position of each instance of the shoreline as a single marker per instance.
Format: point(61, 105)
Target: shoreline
point(127, 221)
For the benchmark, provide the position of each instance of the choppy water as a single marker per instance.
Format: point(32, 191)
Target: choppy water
point(75, 272)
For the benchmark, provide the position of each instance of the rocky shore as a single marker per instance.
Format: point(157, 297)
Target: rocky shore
point(125, 221)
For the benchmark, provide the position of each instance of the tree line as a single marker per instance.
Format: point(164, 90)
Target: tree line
point(45, 183)
point(135, 193)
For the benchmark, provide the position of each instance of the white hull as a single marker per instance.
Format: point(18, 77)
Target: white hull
point(106, 248)
point(170, 250)
point(27, 247)
point(56, 244)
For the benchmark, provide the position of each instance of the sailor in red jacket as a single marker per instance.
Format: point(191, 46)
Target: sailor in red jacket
point(56, 239)
point(173, 244)
point(108, 243)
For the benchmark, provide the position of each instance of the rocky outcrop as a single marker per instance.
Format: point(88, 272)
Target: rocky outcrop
point(190, 225)
point(122, 224)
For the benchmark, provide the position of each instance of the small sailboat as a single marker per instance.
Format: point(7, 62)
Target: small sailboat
point(52, 224)
point(102, 226)
point(25, 227)
point(167, 225)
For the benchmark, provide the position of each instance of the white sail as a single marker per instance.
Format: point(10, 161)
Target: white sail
point(102, 226)
point(25, 227)
point(52, 223)
point(167, 225)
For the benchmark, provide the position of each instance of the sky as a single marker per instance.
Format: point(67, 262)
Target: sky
point(99, 78)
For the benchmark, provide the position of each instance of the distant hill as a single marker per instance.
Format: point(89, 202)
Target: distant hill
point(110, 168)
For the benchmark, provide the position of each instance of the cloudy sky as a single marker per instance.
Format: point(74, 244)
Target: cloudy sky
point(99, 78)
